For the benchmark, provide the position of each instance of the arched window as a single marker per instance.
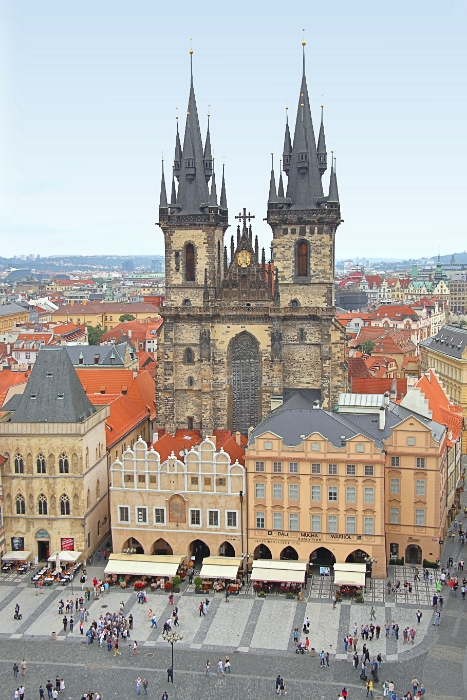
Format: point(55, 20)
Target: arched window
point(42, 504)
point(189, 356)
point(20, 505)
point(19, 464)
point(302, 259)
point(40, 463)
point(190, 381)
point(64, 504)
point(98, 489)
point(63, 465)
point(294, 303)
point(190, 262)
point(186, 302)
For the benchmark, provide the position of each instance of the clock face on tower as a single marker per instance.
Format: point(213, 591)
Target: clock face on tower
point(244, 258)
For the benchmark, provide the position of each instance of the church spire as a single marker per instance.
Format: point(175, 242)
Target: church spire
point(272, 185)
point(173, 198)
point(163, 197)
point(321, 147)
point(207, 160)
point(213, 197)
point(223, 202)
point(304, 186)
point(333, 197)
point(280, 189)
point(287, 144)
point(193, 189)
point(178, 154)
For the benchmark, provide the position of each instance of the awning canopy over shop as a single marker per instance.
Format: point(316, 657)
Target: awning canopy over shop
point(17, 556)
point(68, 556)
point(220, 567)
point(349, 574)
point(349, 578)
point(144, 565)
point(279, 571)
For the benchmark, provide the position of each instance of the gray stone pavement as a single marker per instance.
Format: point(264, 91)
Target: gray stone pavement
point(256, 633)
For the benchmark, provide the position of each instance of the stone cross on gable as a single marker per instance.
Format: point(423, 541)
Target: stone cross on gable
point(245, 217)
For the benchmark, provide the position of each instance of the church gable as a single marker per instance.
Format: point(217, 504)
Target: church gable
point(246, 278)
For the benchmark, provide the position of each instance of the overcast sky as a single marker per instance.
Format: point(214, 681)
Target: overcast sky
point(89, 92)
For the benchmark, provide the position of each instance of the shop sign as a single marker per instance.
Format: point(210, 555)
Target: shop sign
point(413, 539)
point(17, 544)
point(341, 537)
point(42, 535)
point(67, 544)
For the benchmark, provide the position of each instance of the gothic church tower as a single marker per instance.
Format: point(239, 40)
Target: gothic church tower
point(239, 333)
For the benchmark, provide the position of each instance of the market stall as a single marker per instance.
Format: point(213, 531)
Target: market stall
point(349, 578)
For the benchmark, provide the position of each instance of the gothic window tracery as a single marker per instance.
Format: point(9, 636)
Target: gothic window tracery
point(42, 504)
point(19, 464)
point(20, 505)
point(245, 382)
point(40, 464)
point(63, 464)
point(64, 504)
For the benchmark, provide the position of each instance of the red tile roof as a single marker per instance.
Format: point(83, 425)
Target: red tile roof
point(124, 416)
point(142, 392)
point(378, 365)
point(147, 361)
point(9, 379)
point(140, 330)
point(374, 280)
point(395, 312)
point(357, 368)
point(185, 439)
point(379, 386)
point(387, 340)
point(107, 381)
point(444, 411)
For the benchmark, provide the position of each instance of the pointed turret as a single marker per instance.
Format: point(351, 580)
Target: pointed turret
point(280, 189)
point(193, 189)
point(178, 154)
point(272, 185)
point(213, 197)
point(232, 248)
point(208, 164)
point(333, 197)
point(223, 201)
point(321, 147)
point(304, 186)
point(287, 145)
point(163, 197)
point(173, 197)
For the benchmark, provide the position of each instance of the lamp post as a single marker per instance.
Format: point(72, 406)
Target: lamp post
point(171, 637)
point(247, 556)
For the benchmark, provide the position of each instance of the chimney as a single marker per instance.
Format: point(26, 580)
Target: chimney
point(237, 438)
point(386, 399)
point(382, 418)
point(213, 439)
point(155, 437)
point(130, 333)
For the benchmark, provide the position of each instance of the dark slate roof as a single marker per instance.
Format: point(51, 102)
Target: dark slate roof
point(53, 393)
point(449, 341)
point(13, 403)
point(108, 355)
point(297, 417)
point(10, 309)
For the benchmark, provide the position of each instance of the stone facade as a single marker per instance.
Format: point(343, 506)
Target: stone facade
point(44, 463)
point(239, 333)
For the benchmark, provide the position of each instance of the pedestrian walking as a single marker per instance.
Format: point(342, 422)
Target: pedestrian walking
point(41, 693)
point(62, 686)
point(278, 683)
point(369, 688)
point(208, 668)
point(419, 615)
point(415, 685)
point(15, 670)
point(49, 687)
point(145, 686)
point(170, 675)
point(71, 623)
point(372, 613)
point(220, 668)
point(21, 690)
point(227, 664)
point(138, 686)
point(116, 648)
point(23, 667)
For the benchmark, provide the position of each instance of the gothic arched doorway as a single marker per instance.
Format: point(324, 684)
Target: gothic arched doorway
point(289, 553)
point(262, 551)
point(413, 554)
point(245, 382)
